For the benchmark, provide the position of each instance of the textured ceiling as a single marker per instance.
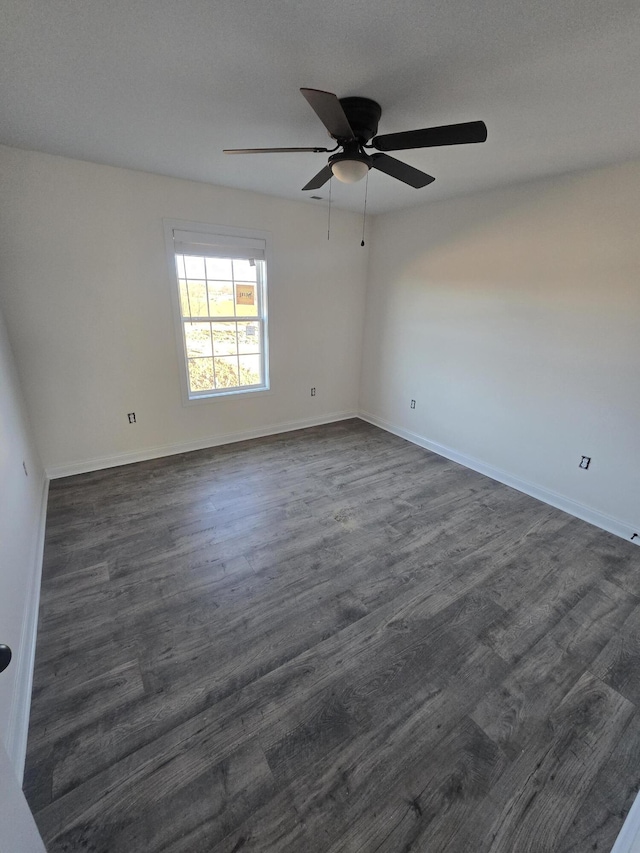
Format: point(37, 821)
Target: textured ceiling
point(164, 86)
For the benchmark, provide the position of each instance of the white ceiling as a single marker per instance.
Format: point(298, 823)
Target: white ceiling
point(164, 85)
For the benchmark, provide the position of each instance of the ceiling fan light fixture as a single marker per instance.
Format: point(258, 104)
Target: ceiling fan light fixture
point(349, 171)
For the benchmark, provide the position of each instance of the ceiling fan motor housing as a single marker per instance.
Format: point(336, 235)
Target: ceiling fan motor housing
point(363, 116)
point(351, 151)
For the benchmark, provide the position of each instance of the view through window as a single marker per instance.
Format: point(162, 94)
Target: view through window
point(223, 315)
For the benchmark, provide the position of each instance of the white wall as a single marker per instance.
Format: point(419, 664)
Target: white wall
point(22, 512)
point(18, 831)
point(88, 309)
point(513, 319)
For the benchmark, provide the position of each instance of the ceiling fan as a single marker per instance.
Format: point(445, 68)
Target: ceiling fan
point(353, 123)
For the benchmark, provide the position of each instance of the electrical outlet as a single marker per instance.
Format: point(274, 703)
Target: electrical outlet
point(132, 417)
point(585, 462)
point(313, 392)
point(413, 404)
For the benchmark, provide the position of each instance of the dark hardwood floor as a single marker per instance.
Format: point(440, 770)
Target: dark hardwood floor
point(329, 641)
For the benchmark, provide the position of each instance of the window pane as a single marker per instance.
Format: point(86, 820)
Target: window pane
point(243, 271)
point(201, 374)
point(196, 300)
point(226, 372)
point(194, 266)
point(219, 268)
point(184, 302)
point(221, 299)
point(246, 299)
point(198, 339)
point(222, 303)
point(250, 369)
point(249, 338)
point(224, 339)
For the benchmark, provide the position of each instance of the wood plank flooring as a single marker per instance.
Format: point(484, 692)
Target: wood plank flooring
point(329, 641)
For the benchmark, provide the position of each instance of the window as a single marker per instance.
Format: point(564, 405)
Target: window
point(220, 285)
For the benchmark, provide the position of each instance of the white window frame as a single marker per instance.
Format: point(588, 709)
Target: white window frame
point(220, 234)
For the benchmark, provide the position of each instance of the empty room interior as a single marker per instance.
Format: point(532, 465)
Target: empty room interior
point(320, 427)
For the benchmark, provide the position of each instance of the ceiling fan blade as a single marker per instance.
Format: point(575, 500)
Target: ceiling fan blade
point(269, 150)
point(402, 171)
point(320, 179)
point(430, 137)
point(329, 110)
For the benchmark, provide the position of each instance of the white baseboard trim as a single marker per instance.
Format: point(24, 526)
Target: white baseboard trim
point(628, 841)
point(86, 465)
point(18, 726)
point(585, 513)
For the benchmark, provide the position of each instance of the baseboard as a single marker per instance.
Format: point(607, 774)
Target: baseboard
point(86, 465)
point(18, 726)
point(628, 841)
point(585, 513)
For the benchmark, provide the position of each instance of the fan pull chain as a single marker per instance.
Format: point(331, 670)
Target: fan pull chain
point(329, 220)
point(364, 212)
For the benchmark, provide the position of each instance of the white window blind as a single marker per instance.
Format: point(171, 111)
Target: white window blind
point(218, 245)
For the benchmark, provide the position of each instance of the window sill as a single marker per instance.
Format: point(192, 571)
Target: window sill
point(228, 395)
